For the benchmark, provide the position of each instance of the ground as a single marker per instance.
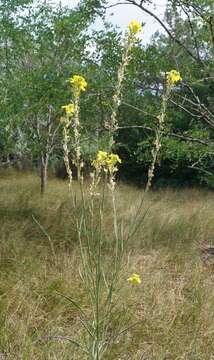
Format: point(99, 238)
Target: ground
point(171, 310)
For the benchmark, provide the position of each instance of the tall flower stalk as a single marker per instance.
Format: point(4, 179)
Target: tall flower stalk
point(172, 78)
point(66, 122)
point(134, 28)
point(99, 283)
point(78, 85)
point(72, 121)
point(96, 277)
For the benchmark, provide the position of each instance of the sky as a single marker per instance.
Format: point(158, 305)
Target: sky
point(122, 15)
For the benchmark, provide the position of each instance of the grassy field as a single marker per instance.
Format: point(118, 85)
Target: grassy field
point(173, 307)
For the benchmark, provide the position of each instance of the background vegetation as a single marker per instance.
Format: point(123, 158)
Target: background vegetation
point(42, 45)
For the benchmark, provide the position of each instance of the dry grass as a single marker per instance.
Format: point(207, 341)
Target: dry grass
point(173, 307)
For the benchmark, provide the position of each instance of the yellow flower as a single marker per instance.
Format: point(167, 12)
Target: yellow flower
point(134, 27)
point(69, 109)
point(173, 77)
point(107, 161)
point(102, 156)
point(78, 82)
point(100, 159)
point(134, 279)
point(113, 159)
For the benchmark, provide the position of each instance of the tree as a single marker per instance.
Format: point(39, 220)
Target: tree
point(45, 46)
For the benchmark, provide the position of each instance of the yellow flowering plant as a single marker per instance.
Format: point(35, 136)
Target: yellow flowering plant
point(99, 283)
point(96, 282)
point(173, 77)
point(78, 84)
point(134, 28)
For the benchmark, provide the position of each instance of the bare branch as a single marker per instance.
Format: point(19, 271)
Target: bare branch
point(139, 110)
point(200, 169)
point(206, 114)
point(185, 109)
point(192, 31)
point(178, 136)
point(154, 16)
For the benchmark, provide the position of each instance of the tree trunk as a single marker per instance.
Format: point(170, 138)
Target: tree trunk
point(43, 173)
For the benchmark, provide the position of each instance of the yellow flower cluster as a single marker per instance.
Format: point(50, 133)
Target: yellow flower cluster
point(134, 27)
point(173, 77)
point(69, 109)
point(102, 156)
point(107, 161)
point(134, 279)
point(113, 159)
point(78, 82)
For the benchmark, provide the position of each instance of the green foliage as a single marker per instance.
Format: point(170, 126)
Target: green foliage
point(43, 45)
point(193, 161)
